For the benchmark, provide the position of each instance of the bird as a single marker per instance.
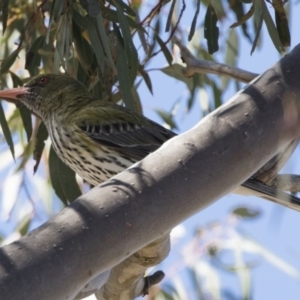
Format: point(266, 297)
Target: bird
point(99, 139)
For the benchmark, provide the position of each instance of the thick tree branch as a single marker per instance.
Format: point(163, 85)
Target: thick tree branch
point(113, 221)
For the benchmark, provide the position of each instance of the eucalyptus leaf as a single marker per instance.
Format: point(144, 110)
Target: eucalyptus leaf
point(193, 25)
point(112, 16)
point(23, 226)
point(238, 8)
point(246, 212)
point(4, 14)
point(258, 22)
point(63, 179)
point(6, 131)
point(24, 111)
point(282, 25)
point(85, 23)
point(167, 117)
point(230, 55)
point(8, 61)
point(123, 71)
point(33, 58)
point(147, 80)
point(164, 49)
point(211, 30)
point(244, 18)
point(137, 100)
point(126, 9)
point(39, 144)
point(271, 27)
point(171, 11)
point(93, 8)
point(104, 41)
point(56, 9)
point(131, 53)
point(175, 71)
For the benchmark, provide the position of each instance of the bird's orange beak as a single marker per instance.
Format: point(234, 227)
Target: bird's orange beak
point(12, 94)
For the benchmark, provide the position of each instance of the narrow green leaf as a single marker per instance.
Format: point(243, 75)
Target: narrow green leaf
point(39, 144)
point(194, 22)
point(247, 1)
point(23, 226)
point(15, 79)
point(168, 25)
point(246, 212)
point(137, 100)
point(219, 8)
point(26, 119)
point(142, 34)
point(175, 71)
point(211, 30)
point(244, 18)
point(230, 55)
point(6, 131)
point(123, 71)
point(56, 9)
point(84, 4)
point(4, 12)
point(82, 75)
point(98, 91)
point(58, 54)
point(282, 26)
point(112, 15)
point(126, 8)
point(238, 8)
point(8, 61)
point(83, 48)
point(33, 58)
point(84, 23)
point(147, 79)
point(63, 179)
point(167, 117)
point(258, 21)
point(153, 38)
point(197, 82)
point(217, 95)
point(164, 49)
point(271, 27)
point(104, 41)
point(129, 46)
point(93, 8)
point(24, 111)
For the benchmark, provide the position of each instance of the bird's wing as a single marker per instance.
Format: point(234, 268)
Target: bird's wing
point(123, 131)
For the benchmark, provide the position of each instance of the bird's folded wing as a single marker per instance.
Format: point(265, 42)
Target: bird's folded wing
point(129, 136)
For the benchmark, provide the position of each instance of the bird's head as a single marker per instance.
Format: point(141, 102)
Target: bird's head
point(49, 93)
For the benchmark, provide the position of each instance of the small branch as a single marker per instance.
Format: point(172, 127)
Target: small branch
point(195, 66)
point(128, 276)
point(286, 182)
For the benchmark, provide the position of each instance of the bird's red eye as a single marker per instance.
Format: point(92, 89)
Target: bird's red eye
point(43, 80)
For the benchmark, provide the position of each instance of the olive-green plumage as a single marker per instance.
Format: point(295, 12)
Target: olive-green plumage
point(97, 139)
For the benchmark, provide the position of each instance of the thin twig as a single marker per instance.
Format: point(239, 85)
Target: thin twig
point(195, 66)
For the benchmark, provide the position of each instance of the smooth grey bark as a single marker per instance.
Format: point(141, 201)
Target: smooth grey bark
point(191, 171)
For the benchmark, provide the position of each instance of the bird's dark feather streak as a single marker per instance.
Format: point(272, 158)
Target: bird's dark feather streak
point(130, 139)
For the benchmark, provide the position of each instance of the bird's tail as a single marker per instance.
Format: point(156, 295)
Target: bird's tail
point(264, 191)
